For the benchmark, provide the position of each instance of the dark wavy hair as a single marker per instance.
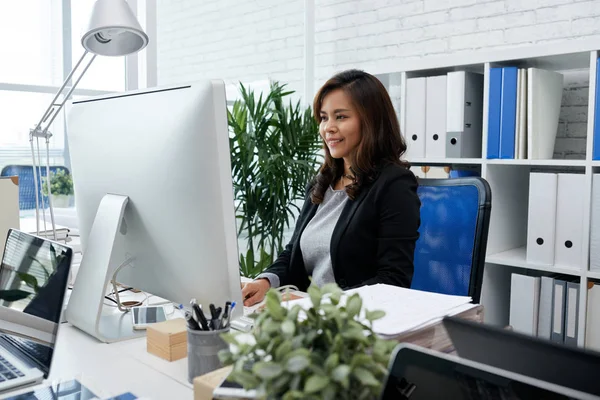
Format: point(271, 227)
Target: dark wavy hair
point(381, 141)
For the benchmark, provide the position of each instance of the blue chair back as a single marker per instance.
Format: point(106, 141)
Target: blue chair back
point(26, 186)
point(450, 252)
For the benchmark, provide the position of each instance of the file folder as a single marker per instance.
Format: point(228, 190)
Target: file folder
point(521, 135)
point(494, 113)
point(435, 123)
point(508, 113)
point(572, 314)
point(415, 118)
point(569, 221)
point(592, 323)
point(541, 219)
point(595, 225)
point(596, 146)
point(558, 311)
point(545, 313)
point(464, 99)
point(524, 303)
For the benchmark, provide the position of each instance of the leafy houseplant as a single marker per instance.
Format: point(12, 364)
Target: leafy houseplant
point(274, 154)
point(325, 352)
point(61, 185)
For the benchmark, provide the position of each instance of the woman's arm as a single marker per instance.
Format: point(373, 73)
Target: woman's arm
point(400, 217)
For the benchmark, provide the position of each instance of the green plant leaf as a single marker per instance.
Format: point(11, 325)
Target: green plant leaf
point(29, 280)
point(244, 378)
point(267, 370)
point(330, 392)
point(332, 361)
point(374, 315)
point(315, 296)
point(297, 364)
point(13, 295)
point(315, 383)
point(283, 350)
point(361, 360)
point(365, 377)
point(340, 373)
point(288, 328)
point(293, 395)
point(274, 307)
point(354, 305)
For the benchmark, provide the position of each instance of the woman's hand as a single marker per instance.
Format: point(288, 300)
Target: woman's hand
point(255, 291)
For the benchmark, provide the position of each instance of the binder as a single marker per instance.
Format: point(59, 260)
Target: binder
point(508, 113)
point(435, 122)
point(544, 98)
point(572, 314)
point(595, 225)
point(524, 303)
point(521, 123)
point(592, 324)
point(558, 311)
point(596, 145)
point(415, 118)
point(494, 112)
point(541, 218)
point(464, 118)
point(568, 251)
point(9, 207)
point(545, 312)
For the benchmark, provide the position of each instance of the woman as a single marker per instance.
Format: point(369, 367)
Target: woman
point(360, 220)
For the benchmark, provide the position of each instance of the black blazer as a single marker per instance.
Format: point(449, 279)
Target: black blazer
point(373, 240)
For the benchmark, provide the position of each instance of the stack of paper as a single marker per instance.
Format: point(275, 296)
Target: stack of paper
point(28, 225)
point(405, 309)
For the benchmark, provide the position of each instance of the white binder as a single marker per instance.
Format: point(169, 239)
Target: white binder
point(541, 218)
point(9, 207)
point(415, 118)
point(568, 251)
point(595, 225)
point(544, 97)
point(435, 123)
point(464, 105)
point(558, 311)
point(572, 314)
point(545, 313)
point(524, 303)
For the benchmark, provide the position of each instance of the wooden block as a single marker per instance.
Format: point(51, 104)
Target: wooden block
point(205, 384)
point(168, 340)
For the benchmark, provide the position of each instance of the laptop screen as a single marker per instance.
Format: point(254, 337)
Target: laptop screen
point(34, 273)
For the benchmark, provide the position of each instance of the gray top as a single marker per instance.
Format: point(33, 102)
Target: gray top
point(315, 242)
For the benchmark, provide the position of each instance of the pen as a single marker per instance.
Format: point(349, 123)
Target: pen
point(213, 316)
point(225, 318)
point(199, 315)
point(191, 322)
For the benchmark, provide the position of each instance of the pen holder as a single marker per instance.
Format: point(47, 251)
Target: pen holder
point(203, 349)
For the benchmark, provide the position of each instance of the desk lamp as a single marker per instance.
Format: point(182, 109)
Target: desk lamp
point(113, 30)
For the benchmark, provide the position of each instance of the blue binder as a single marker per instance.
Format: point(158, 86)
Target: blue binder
point(508, 113)
point(494, 113)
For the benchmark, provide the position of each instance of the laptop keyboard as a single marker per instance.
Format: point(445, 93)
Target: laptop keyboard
point(8, 371)
point(38, 352)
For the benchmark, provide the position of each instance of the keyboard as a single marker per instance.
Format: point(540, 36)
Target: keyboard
point(42, 355)
point(8, 371)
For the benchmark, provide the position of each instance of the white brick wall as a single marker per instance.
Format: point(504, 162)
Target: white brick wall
point(253, 40)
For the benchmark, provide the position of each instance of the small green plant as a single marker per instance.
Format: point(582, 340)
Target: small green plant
point(61, 183)
point(326, 352)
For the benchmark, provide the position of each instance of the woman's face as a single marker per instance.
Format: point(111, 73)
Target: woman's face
point(340, 125)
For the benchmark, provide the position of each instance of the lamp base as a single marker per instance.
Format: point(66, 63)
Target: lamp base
point(93, 278)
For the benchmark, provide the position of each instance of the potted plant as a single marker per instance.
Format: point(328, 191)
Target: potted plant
point(275, 151)
point(61, 185)
point(328, 351)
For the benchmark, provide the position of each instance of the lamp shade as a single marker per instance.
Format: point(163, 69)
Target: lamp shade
point(113, 30)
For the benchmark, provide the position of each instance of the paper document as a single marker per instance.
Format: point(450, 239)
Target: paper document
point(405, 309)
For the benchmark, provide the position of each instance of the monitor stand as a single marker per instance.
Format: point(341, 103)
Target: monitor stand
point(86, 303)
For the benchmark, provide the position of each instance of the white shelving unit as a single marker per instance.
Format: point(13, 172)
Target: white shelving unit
point(509, 179)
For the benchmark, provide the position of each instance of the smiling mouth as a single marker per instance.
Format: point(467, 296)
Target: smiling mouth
point(333, 142)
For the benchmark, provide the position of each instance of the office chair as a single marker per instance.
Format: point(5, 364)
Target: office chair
point(450, 252)
point(26, 186)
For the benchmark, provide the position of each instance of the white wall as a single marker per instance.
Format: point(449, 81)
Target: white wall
point(253, 40)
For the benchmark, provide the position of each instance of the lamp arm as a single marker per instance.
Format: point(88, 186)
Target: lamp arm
point(55, 107)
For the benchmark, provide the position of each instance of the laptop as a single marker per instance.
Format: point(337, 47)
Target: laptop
point(33, 280)
point(538, 358)
point(417, 373)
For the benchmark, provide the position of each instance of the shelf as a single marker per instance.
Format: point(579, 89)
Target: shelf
point(517, 258)
point(445, 161)
point(594, 274)
point(554, 163)
point(596, 163)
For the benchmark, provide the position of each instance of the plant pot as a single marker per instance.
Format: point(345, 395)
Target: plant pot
point(61, 200)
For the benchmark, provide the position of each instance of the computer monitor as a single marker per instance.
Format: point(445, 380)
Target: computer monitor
point(152, 178)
